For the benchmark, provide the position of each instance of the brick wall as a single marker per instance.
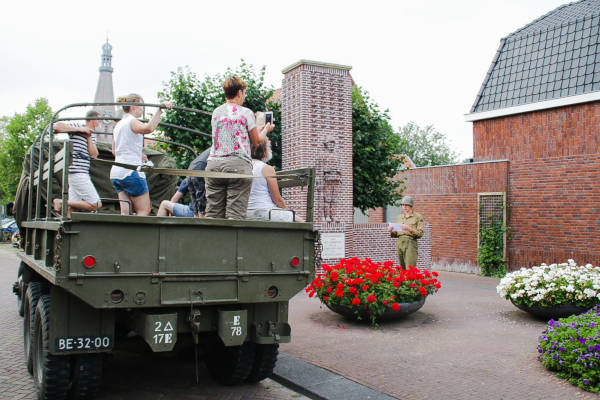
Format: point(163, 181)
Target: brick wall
point(554, 190)
point(447, 199)
point(555, 132)
point(554, 210)
point(377, 215)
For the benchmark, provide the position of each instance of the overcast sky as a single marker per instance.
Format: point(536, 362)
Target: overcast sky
point(423, 60)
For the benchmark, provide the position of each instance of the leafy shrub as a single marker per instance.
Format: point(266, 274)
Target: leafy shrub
point(552, 285)
point(375, 287)
point(571, 347)
point(490, 255)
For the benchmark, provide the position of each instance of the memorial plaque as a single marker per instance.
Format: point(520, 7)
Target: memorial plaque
point(333, 245)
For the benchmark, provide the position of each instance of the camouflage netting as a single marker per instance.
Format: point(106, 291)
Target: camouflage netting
point(161, 186)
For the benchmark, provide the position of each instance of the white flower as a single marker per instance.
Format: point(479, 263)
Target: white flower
point(547, 282)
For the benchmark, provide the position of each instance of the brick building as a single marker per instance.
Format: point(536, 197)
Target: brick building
point(536, 146)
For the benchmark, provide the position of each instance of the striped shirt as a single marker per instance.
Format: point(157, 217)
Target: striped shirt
point(79, 163)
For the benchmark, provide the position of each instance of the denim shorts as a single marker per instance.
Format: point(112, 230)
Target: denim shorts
point(133, 184)
point(181, 210)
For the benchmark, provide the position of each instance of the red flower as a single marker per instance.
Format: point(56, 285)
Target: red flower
point(355, 301)
point(353, 290)
point(385, 302)
point(395, 306)
point(413, 285)
point(340, 286)
point(326, 298)
point(339, 293)
point(365, 288)
point(329, 289)
point(434, 273)
point(423, 291)
point(334, 276)
point(371, 298)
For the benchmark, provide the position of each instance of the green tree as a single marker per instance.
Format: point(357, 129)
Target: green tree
point(374, 150)
point(187, 90)
point(16, 136)
point(425, 146)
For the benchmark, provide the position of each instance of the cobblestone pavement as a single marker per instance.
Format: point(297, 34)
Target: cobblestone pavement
point(127, 375)
point(465, 343)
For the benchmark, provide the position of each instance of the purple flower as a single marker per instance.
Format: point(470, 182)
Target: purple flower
point(586, 382)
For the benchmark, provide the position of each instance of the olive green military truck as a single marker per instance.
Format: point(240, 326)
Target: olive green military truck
point(88, 282)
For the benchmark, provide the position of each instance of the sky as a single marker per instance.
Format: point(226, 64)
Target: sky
point(423, 60)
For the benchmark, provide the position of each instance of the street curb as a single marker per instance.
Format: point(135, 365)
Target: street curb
point(318, 383)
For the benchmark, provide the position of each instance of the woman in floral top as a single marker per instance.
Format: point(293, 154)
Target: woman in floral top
point(234, 132)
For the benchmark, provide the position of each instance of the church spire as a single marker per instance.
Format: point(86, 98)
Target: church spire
point(104, 94)
point(106, 57)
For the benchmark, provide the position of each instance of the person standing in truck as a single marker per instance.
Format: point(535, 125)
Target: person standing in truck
point(234, 131)
point(83, 195)
point(408, 228)
point(128, 143)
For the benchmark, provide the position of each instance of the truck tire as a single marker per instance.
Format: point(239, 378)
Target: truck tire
point(231, 365)
point(86, 376)
point(20, 289)
point(50, 372)
point(33, 293)
point(265, 359)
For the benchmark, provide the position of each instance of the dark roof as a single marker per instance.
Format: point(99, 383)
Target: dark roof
point(555, 56)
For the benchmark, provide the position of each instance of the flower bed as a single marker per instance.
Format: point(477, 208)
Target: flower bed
point(571, 346)
point(362, 285)
point(553, 285)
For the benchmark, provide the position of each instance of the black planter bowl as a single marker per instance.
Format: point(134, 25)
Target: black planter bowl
point(388, 315)
point(553, 312)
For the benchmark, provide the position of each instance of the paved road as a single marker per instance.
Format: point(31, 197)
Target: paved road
point(128, 375)
point(465, 343)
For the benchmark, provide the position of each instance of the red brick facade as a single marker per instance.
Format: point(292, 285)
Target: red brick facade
point(563, 131)
point(552, 181)
point(554, 191)
point(316, 108)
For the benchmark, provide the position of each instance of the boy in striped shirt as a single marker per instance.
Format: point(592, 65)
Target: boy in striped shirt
point(82, 193)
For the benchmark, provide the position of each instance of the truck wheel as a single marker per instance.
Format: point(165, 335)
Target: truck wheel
point(33, 293)
point(86, 376)
point(231, 365)
point(50, 373)
point(264, 362)
point(20, 292)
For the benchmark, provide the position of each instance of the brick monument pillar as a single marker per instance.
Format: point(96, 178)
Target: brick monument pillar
point(316, 110)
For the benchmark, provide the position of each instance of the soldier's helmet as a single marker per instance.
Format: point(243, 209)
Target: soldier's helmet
point(407, 200)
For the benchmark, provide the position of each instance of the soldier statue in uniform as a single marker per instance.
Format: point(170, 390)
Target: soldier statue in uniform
point(408, 228)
